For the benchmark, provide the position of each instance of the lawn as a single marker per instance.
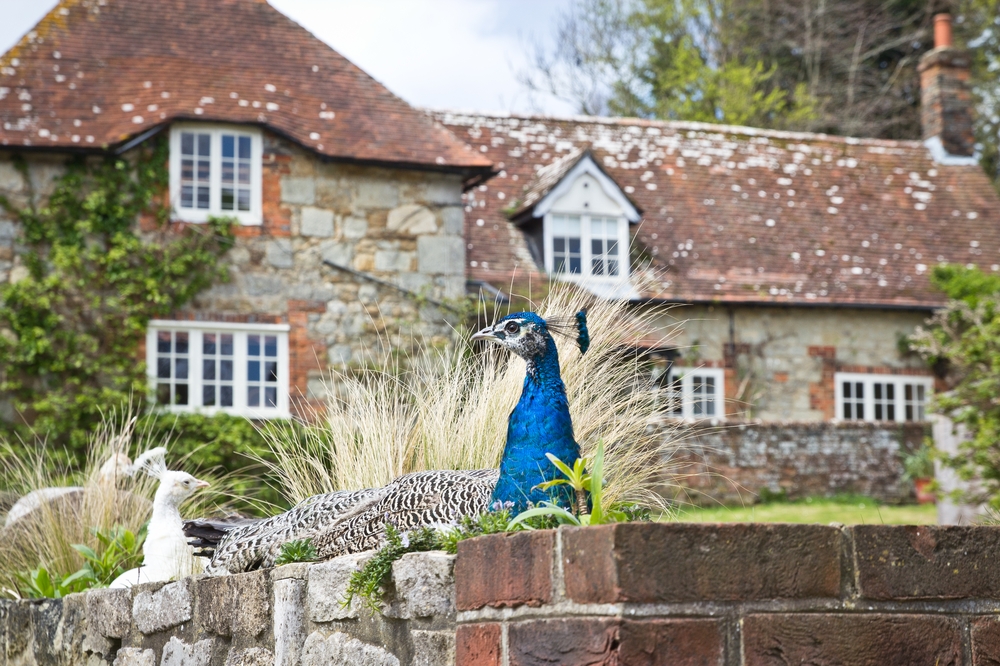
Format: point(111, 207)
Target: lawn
point(846, 510)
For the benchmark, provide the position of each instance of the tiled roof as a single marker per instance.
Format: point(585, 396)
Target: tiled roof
point(734, 214)
point(94, 73)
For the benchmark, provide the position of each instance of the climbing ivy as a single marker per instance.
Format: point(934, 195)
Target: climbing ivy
point(102, 260)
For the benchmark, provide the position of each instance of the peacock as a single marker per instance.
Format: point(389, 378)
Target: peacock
point(344, 522)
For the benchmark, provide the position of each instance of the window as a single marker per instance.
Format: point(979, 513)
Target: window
point(891, 398)
point(212, 366)
point(215, 171)
point(696, 394)
point(585, 245)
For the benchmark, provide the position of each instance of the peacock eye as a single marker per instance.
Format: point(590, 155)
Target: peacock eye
point(511, 327)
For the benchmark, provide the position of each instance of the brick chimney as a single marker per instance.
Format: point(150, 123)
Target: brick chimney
point(945, 101)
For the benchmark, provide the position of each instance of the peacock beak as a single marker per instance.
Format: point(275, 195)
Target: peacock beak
point(485, 334)
point(202, 484)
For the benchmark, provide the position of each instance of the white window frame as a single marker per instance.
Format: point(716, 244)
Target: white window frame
point(687, 376)
point(586, 252)
point(249, 218)
point(196, 331)
point(868, 380)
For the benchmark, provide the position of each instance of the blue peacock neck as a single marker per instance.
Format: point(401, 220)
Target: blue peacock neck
point(540, 423)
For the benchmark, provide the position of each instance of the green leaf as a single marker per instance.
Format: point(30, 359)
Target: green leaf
point(548, 509)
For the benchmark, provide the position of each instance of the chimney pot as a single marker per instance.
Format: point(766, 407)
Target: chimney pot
point(942, 31)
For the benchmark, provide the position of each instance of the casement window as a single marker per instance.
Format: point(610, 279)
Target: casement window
point(588, 246)
point(215, 172)
point(894, 398)
point(212, 367)
point(696, 393)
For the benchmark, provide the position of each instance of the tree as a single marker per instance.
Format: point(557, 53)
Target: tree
point(843, 67)
point(963, 343)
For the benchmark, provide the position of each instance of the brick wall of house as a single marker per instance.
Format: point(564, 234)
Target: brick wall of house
point(785, 358)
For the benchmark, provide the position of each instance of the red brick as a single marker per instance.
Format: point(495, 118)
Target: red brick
point(477, 645)
point(661, 562)
point(678, 642)
point(927, 561)
point(986, 641)
point(504, 570)
point(855, 640)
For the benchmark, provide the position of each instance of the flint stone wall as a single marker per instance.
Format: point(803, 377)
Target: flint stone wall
point(288, 616)
point(733, 463)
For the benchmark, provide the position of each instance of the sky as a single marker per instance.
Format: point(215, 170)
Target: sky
point(445, 54)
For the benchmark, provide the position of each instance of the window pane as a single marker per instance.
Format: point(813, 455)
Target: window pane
point(253, 396)
point(244, 173)
point(226, 396)
point(208, 369)
point(204, 145)
point(226, 370)
point(208, 396)
point(227, 344)
point(187, 143)
point(163, 394)
point(270, 397)
point(244, 200)
point(187, 196)
point(228, 145)
point(181, 368)
point(163, 342)
point(208, 343)
point(203, 197)
point(228, 201)
point(559, 244)
point(181, 342)
point(181, 394)
point(244, 147)
point(253, 345)
point(271, 371)
point(271, 345)
point(163, 368)
point(253, 371)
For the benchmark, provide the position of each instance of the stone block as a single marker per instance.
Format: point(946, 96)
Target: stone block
point(279, 253)
point(178, 653)
point(327, 588)
point(237, 606)
point(453, 220)
point(927, 561)
point(264, 285)
point(340, 354)
point(425, 585)
point(316, 222)
point(298, 190)
point(478, 645)
point(167, 607)
point(504, 570)
point(826, 638)
point(339, 649)
point(109, 612)
point(9, 230)
point(986, 641)
point(444, 255)
point(367, 293)
point(254, 656)
point(355, 227)
point(663, 562)
point(289, 620)
point(415, 282)
point(131, 656)
point(443, 192)
point(412, 219)
point(377, 194)
point(393, 261)
point(341, 254)
point(433, 648)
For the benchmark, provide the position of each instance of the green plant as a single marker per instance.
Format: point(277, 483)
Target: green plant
point(40, 584)
point(102, 260)
point(919, 464)
point(368, 581)
point(300, 550)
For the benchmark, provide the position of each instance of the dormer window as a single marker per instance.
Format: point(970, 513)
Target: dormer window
point(576, 219)
point(215, 171)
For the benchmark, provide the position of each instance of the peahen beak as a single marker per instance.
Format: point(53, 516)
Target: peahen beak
point(485, 334)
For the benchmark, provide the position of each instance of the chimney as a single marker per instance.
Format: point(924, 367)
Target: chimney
point(945, 101)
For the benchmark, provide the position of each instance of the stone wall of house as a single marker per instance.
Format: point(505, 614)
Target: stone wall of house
point(735, 463)
point(636, 594)
point(779, 362)
point(288, 616)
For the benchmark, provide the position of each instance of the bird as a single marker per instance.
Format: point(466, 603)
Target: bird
point(166, 553)
point(114, 469)
point(345, 522)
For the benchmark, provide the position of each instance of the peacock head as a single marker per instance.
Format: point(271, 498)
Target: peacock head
point(175, 487)
point(524, 333)
point(528, 335)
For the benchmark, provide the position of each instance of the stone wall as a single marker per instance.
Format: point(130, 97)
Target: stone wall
point(731, 595)
point(288, 616)
point(636, 594)
point(779, 362)
point(735, 463)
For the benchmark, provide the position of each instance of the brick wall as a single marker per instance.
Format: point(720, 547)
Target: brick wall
point(747, 595)
point(637, 594)
point(734, 463)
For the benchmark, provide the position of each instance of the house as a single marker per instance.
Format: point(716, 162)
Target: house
point(799, 260)
point(348, 200)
